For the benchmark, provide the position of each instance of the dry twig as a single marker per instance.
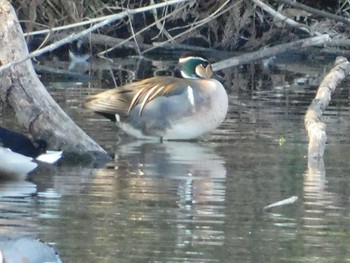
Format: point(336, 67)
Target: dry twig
point(73, 36)
point(315, 11)
point(218, 12)
point(283, 18)
point(287, 201)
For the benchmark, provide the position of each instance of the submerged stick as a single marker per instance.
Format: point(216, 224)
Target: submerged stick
point(316, 129)
point(286, 201)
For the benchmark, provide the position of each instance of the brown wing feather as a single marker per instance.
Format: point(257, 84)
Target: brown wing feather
point(111, 101)
point(123, 99)
point(155, 87)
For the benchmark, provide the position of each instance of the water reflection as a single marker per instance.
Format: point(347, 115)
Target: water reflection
point(156, 201)
point(321, 226)
point(172, 159)
point(16, 188)
point(188, 177)
point(174, 201)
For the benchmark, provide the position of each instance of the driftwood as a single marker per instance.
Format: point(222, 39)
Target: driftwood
point(22, 90)
point(316, 129)
point(272, 51)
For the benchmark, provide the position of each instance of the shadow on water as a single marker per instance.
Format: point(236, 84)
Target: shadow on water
point(196, 201)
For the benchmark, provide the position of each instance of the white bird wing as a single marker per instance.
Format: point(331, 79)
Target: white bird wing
point(49, 156)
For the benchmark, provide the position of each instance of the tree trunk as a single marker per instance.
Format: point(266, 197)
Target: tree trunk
point(35, 109)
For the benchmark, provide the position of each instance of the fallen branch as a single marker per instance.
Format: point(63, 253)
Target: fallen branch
point(278, 16)
point(315, 11)
point(114, 42)
point(316, 129)
point(269, 52)
point(345, 43)
point(104, 40)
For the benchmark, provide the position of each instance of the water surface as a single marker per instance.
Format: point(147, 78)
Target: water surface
point(196, 201)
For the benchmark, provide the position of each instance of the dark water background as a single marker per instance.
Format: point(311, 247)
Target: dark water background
point(194, 201)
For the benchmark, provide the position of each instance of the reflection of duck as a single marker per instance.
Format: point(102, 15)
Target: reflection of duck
point(17, 152)
point(25, 249)
point(197, 171)
point(167, 107)
point(173, 159)
point(178, 185)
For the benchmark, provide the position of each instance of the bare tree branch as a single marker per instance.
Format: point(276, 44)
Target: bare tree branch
point(316, 129)
point(315, 11)
point(272, 51)
point(283, 18)
point(74, 36)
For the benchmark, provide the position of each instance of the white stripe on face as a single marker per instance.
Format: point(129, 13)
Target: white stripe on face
point(185, 59)
point(186, 76)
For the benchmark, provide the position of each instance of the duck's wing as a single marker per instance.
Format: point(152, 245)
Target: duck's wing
point(152, 88)
point(122, 100)
point(113, 101)
point(49, 157)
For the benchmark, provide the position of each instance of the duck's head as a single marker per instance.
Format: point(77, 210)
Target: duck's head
point(193, 66)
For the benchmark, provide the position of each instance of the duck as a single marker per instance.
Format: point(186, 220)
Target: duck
point(167, 107)
point(19, 143)
point(18, 154)
point(16, 248)
point(15, 164)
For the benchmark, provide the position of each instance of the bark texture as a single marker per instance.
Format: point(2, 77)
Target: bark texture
point(316, 129)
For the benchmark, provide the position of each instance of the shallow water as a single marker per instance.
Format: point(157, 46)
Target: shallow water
point(197, 201)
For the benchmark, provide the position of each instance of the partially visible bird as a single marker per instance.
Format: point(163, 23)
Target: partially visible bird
point(12, 163)
point(21, 249)
point(164, 107)
point(17, 153)
point(21, 144)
